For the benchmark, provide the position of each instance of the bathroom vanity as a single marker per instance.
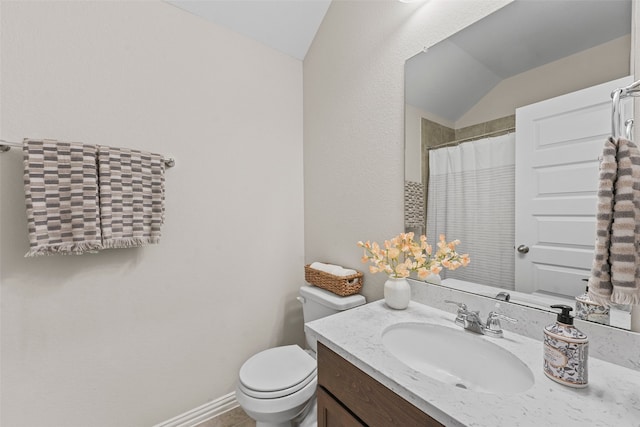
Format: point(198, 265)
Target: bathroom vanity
point(362, 383)
point(349, 397)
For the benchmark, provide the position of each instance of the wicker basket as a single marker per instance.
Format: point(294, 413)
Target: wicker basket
point(339, 285)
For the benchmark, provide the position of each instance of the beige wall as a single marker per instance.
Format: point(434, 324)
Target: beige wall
point(413, 140)
point(132, 337)
point(354, 120)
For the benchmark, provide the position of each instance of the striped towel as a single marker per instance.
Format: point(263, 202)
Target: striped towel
point(131, 196)
point(615, 274)
point(61, 195)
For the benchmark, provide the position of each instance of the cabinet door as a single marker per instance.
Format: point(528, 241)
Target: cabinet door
point(332, 414)
point(370, 401)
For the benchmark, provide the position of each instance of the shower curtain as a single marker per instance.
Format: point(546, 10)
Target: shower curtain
point(471, 197)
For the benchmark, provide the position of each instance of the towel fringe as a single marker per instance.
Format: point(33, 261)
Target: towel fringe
point(80, 248)
point(625, 296)
point(621, 296)
point(77, 248)
point(129, 242)
point(604, 300)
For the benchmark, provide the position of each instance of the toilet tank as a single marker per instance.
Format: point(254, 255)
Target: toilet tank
point(318, 303)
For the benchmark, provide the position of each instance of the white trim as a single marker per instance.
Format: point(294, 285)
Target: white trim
point(203, 413)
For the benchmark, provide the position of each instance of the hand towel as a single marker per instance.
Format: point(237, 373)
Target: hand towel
point(336, 270)
point(60, 185)
point(615, 274)
point(131, 186)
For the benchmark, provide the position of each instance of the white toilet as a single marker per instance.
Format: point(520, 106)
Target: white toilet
point(277, 387)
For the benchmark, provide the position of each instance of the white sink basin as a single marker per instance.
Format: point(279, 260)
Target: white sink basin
point(457, 357)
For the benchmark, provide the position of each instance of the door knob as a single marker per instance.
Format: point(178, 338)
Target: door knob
point(523, 249)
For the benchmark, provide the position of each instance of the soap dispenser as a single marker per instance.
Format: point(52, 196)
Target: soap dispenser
point(586, 309)
point(566, 351)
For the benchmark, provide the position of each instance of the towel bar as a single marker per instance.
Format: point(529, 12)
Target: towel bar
point(6, 146)
point(616, 119)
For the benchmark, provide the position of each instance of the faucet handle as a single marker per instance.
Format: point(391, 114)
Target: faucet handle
point(493, 327)
point(461, 306)
point(461, 316)
point(499, 316)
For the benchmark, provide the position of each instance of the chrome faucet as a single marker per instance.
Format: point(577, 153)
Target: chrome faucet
point(503, 296)
point(471, 321)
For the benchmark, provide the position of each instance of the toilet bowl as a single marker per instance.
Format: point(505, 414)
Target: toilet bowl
point(277, 386)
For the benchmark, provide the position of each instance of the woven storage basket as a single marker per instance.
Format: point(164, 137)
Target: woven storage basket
point(339, 285)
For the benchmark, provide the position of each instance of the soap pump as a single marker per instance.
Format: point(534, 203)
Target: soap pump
point(586, 309)
point(566, 351)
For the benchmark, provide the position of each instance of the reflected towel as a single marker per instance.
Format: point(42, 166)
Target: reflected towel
point(61, 193)
point(131, 196)
point(615, 275)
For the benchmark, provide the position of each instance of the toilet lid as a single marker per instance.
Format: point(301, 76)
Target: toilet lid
point(285, 369)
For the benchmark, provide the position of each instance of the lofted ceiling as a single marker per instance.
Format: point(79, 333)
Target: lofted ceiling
point(487, 51)
point(286, 25)
point(522, 35)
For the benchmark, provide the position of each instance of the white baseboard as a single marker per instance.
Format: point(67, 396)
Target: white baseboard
point(202, 413)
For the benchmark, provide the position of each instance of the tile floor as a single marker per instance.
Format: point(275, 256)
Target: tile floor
point(233, 418)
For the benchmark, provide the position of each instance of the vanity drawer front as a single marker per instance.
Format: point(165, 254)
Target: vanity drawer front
point(369, 400)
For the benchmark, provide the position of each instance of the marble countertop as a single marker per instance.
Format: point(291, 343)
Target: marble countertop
point(612, 397)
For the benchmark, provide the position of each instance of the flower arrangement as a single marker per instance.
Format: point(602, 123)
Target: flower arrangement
point(401, 255)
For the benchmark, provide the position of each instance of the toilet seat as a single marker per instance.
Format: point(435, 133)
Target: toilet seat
point(277, 372)
point(280, 409)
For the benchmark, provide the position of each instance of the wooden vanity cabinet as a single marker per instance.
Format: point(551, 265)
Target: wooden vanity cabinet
point(347, 397)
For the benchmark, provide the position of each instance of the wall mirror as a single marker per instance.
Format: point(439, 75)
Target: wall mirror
point(461, 98)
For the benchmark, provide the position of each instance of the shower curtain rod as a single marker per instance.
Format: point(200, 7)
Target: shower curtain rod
point(498, 132)
point(6, 146)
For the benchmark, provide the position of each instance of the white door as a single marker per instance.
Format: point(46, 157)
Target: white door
point(558, 142)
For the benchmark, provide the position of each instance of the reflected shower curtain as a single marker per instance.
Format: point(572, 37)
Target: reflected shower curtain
point(471, 197)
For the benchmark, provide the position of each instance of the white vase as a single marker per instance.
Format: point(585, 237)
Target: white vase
point(434, 278)
point(397, 293)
